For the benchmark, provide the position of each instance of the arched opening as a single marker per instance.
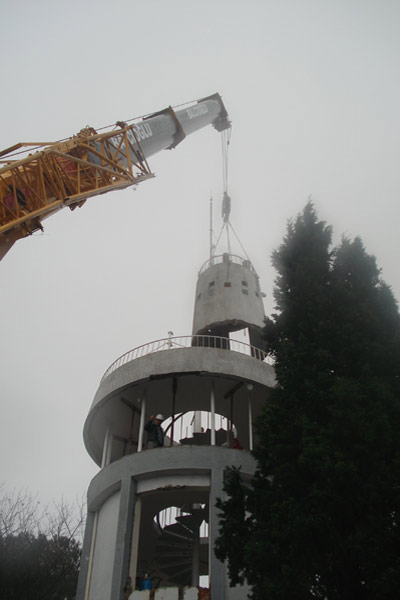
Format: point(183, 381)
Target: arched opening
point(194, 428)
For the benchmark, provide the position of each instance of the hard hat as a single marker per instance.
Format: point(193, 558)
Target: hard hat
point(160, 417)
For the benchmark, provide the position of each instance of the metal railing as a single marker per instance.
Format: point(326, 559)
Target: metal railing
point(228, 258)
point(188, 341)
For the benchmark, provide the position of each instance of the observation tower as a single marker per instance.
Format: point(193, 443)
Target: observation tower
point(152, 511)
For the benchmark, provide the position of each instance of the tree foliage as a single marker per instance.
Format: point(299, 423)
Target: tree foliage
point(39, 548)
point(323, 509)
point(233, 522)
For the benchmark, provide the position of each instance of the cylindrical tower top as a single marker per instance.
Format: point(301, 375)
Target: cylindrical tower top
point(228, 298)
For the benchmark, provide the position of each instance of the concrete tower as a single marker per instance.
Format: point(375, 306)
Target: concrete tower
point(153, 510)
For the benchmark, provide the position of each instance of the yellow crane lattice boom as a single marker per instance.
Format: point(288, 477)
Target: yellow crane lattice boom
point(66, 173)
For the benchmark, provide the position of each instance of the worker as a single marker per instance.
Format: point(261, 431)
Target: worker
point(155, 433)
point(236, 444)
point(146, 583)
point(226, 207)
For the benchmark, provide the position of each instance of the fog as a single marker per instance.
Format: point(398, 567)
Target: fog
point(312, 89)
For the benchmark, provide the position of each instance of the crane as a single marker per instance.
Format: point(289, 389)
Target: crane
point(50, 176)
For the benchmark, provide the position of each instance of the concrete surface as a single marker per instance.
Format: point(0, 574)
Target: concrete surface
point(227, 292)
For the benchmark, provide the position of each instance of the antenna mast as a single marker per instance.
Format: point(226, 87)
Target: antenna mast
point(211, 229)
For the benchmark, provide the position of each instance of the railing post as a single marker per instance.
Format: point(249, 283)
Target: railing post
point(141, 425)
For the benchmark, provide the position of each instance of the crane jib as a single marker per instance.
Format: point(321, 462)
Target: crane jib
point(158, 132)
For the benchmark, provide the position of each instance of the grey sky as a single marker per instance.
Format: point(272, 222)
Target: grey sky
point(312, 88)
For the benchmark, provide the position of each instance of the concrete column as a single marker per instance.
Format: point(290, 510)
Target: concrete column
point(87, 555)
point(124, 537)
point(141, 424)
point(135, 539)
point(196, 558)
point(249, 388)
point(216, 567)
point(212, 410)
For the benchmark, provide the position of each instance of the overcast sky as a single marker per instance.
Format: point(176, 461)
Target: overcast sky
point(312, 89)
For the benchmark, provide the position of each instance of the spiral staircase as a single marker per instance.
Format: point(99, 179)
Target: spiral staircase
point(181, 554)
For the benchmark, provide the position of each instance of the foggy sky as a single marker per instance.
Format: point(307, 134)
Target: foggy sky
point(312, 89)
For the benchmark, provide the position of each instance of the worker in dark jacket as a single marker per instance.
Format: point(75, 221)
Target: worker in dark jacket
point(155, 434)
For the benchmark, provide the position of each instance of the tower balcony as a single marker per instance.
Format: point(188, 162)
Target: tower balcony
point(188, 341)
point(225, 380)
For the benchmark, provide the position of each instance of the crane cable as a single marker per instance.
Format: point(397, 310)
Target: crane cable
point(226, 201)
point(225, 141)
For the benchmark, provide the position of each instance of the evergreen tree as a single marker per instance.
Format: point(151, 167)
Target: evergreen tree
point(38, 568)
point(39, 554)
point(323, 509)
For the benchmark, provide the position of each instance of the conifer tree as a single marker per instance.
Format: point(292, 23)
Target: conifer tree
point(323, 510)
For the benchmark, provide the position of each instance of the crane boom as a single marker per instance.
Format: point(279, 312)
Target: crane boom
point(68, 172)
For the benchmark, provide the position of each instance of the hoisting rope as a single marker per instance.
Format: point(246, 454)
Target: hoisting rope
point(241, 245)
point(226, 200)
point(225, 141)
